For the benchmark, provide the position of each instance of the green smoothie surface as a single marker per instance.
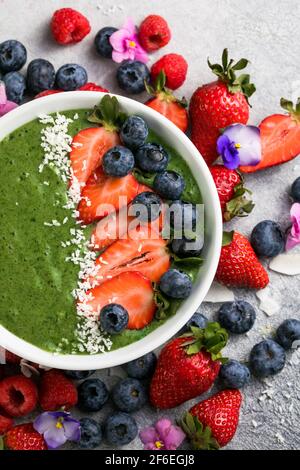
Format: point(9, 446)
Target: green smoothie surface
point(36, 282)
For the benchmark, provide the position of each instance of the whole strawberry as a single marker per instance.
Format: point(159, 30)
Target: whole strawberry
point(231, 192)
point(5, 423)
point(165, 103)
point(212, 423)
point(187, 366)
point(218, 104)
point(57, 391)
point(238, 264)
point(24, 437)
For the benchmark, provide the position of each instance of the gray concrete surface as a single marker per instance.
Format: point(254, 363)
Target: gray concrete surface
point(268, 34)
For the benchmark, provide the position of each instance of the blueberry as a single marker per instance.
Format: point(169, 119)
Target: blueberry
point(237, 317)
point(267, 239)
point(183, 247)
point(267, 358)
point(118, 161)
point(92, 395)
point(90, 433)
point(176, 284)
point(234, 374)
point(129, 395)
point(295, 190)
point(40, 76)
point(120, 429)
point(288, 332)
point(134, 132)
point(141, 368)
point(152, 157)
point(79, 374)
point(169, 184)
point(132, 76)
point(113, 318)
point(198, 319)
point(102, 44)
point(183, 216)
point(147, 206)
point(15, 85)
point(70, 77)
point(13, 56)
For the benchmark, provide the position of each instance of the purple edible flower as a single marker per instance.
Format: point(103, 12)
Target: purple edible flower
point(164, 435)
point(240, 145)
point(126, 45)
point(57, 427)
point(293, 237)
point(5, 104)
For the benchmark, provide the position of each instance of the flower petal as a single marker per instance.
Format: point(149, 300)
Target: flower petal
point(141, 54)
point(174, 438)
point(44, 422)
point(118, 40)
point(148, 435)
point(150, 446)
point(230, 159)
point(130, 27)
point(3, 98)
point(55, 437)
point(72, 429)
point(248, 139)
point(293, 237)
point(8, 106)
point(222, 142)
point(119, 56)
point(162, 427)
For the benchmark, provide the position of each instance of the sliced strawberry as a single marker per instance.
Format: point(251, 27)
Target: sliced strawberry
point(131, 290)
point(280, 138)
point(103, 195)
point(88, 148)
point(142, 250)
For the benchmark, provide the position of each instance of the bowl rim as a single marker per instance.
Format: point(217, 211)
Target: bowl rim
point(85, 99)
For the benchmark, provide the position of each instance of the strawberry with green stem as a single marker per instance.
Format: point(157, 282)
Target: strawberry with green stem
point(280, 137)
point(219, 104)
point(166, 103)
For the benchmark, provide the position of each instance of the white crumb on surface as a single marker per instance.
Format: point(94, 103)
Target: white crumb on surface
point(286, 263)
point(268, 303)
point(219, 294)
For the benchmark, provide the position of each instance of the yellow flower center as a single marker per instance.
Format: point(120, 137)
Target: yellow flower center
point(132, 44)
point(237, 146)
point(59, 424)
point(158, 444)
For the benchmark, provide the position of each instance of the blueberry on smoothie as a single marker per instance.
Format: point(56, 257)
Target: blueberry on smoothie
point(70, 77)
point(267, 239)
point(237, 317)
point(13, 56)
point(141, 368)
point(113, 318)
point(79, 374)
point(152, 158)
point(132, 76)
point(267, 358)
point(15, 85)
point(40, 76)
point(120, 429)
point(233, 374)
point(92, 395)
point(169, 185)
point(147, 206)
point(176, 284)
point(102, 44)
point(295, 190)
point(90, 433)
point(184, 248)
point(118, 161)
point(134, 132)
point(288, 332)
point(129, 395)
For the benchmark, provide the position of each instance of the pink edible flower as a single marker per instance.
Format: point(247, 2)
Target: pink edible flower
point(164, 435)
point(5, 104)
point(293, 237)
point(126, 45)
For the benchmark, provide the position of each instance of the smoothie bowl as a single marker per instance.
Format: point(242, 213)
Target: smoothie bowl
point(93, 270)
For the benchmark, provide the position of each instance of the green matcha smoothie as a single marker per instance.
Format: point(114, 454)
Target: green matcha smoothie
point(36, 282)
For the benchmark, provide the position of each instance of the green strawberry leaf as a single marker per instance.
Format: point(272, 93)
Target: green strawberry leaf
point(239, 205)
point(213, 338)
point(227, 238)
point(166, 307)
point(1, 443)
point(288, 106)
point(200, 436)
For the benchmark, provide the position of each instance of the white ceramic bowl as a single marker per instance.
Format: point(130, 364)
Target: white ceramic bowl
point(213, 231)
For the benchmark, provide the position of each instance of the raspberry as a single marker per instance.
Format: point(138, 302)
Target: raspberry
point(92, 87)
point(154, 33)
point(57, 391)
point(5, 423)
point(69, 26)
point(47, 92)
point(18, 395)
point(175, 68)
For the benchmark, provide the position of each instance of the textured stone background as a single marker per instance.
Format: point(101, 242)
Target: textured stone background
point(268, 34)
